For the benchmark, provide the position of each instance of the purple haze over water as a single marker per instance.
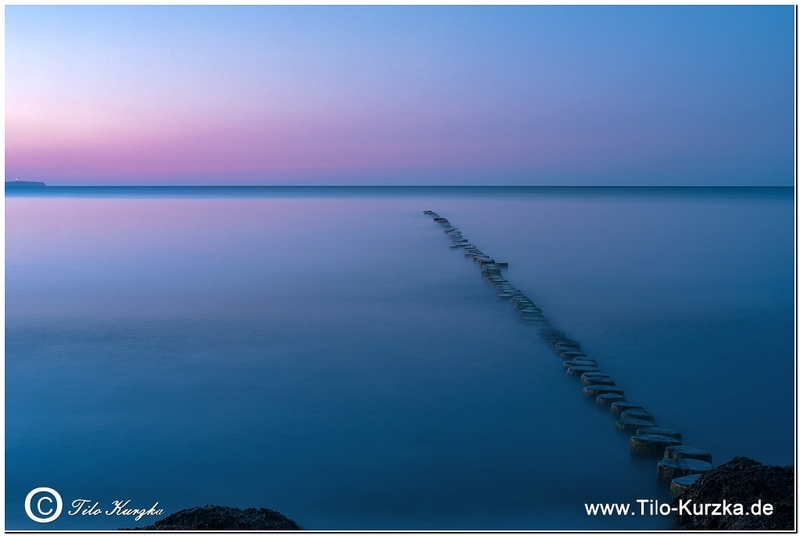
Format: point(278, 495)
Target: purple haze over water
point(323, 353)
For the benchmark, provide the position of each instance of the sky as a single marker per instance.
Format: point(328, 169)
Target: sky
point(400, 95)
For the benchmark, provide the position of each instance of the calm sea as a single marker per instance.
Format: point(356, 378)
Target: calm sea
point(324, 353)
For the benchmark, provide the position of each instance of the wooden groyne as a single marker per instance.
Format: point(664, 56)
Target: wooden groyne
point(647, 438)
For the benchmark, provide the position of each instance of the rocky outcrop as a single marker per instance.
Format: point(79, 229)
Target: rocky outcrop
point(746, 482)
point(212, 517)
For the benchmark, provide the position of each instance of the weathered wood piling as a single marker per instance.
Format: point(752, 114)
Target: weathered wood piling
point(680, 464)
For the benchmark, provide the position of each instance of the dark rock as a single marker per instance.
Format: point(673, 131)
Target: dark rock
point(742, 481)
point(212, 517)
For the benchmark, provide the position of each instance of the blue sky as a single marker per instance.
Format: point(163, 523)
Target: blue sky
point(562, 95)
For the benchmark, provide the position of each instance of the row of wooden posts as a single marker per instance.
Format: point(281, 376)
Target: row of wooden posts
point(681, 465)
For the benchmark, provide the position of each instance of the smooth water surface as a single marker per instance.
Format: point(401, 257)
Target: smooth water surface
point(325, 354)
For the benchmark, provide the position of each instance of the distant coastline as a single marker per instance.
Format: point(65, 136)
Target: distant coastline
point(24, 184)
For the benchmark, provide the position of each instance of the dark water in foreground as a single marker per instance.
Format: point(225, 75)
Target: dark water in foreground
point(323, 353)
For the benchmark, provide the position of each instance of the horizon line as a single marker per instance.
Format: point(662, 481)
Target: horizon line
point(401, 185)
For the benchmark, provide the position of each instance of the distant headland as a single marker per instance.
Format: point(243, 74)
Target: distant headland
point(16, 183)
